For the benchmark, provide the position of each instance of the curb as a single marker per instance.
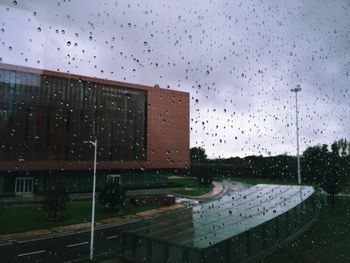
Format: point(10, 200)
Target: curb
point(69, 229)
point(204, 196)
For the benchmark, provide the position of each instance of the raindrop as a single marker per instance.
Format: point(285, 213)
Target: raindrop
point(34, 13)
point(10, 48)
point(90, 38)
point(145, 43)
point(14, 2)
point(38, 29)
point(68, 43)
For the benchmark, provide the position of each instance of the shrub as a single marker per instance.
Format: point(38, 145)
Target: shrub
point(112, 196)
point(55, 202)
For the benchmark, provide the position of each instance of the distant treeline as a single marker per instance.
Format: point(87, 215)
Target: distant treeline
point(281, 167)
point(321, 165)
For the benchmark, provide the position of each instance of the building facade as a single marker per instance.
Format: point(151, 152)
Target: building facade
point(46, 116)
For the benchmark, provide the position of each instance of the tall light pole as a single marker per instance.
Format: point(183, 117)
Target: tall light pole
point(296, 90)
point(93, 201)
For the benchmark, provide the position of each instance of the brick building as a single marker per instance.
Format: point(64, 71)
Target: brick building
point(46, 116)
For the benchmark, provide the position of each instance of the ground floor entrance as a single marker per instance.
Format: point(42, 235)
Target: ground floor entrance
point(24, 185)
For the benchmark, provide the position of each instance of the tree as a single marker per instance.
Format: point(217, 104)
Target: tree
point(335, 179)
point(112, 196)
point(327, 169)
point(344, 147)
point(316, 164)
point(203, 173)
point(197, 154)
point(55, 202)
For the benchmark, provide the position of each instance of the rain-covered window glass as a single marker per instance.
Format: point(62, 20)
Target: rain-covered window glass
point(174, 131)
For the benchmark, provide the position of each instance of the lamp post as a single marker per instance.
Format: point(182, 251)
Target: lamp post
point(296, 90)
point(93, 201)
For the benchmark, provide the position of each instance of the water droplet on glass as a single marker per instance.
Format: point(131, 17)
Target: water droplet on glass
point(68, 43)
point(38, 29)
point(14, 2)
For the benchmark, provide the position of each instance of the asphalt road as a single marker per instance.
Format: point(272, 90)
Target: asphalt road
point(63, 248)
point(70, 247)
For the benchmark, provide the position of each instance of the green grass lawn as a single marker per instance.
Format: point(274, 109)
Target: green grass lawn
point(22, 218)
point(196, 188)
point(328, 240)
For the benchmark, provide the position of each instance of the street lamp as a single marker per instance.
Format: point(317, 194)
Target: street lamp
point(296, 90)
point(93, 201)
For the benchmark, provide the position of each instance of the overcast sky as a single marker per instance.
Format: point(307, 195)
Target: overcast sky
point(237, 59)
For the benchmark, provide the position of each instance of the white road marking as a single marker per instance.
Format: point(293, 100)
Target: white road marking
point(111, 237)
point(77, 244)
point(31, 253)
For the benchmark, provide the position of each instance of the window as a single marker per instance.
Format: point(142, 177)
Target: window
point(240, 109)
point(24, 185)
point(12, 92)
point(113, 178)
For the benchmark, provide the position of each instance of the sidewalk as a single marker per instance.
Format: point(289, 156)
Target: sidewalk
point(77, 227)
point(218, 189)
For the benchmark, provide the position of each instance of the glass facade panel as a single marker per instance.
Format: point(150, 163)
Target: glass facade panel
point(50, 117)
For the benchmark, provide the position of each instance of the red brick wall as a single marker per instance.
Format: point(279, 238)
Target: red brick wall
point(168, 129)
